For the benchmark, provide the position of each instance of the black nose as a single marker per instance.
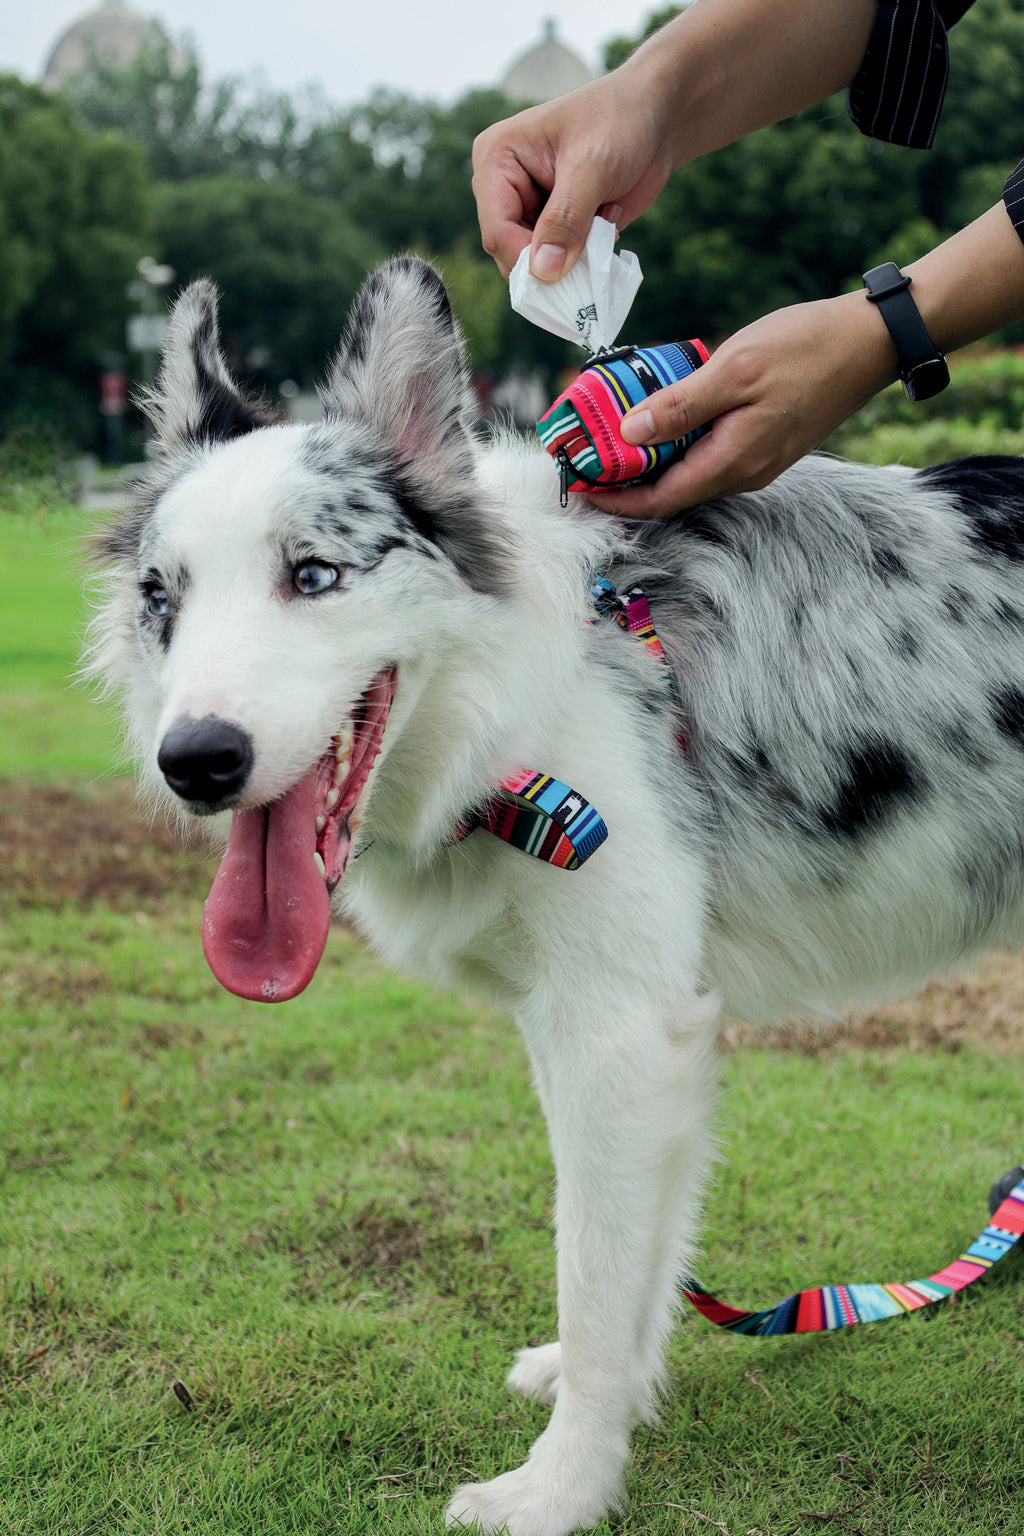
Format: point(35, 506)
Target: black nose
point(205, 760)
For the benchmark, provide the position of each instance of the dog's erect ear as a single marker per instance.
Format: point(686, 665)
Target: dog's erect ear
point(195, 399)
point(402, 370)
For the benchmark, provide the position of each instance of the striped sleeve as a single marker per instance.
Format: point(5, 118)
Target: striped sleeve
point(898, 91)
point(1013, 198)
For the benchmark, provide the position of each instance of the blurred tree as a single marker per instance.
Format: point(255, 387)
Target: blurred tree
point(189, 128)
point(288, 263)
point(73, 223)
point(286, 201)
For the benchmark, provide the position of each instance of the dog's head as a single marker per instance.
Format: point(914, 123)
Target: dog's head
point(279, 588)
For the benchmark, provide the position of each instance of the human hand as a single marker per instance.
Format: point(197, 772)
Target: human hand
point(774, 391)
point(541, 176)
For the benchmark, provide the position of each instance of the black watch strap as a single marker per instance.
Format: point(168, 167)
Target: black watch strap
point(923, 368)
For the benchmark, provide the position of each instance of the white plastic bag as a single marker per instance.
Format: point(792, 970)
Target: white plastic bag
point(590, 303)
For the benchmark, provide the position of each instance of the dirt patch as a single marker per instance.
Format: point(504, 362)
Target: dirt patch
point(984, 1006)
point(80, 845)
point(63, 845)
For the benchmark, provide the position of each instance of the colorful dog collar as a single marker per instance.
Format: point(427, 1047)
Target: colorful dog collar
point(539, 814)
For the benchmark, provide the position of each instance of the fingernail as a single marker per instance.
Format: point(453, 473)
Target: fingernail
point(638, 426)
point(613, 213)
point(547, 262)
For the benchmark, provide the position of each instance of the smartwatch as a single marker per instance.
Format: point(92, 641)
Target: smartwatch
point(923, 368)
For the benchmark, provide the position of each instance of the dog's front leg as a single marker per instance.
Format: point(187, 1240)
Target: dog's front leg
point(628, 1104)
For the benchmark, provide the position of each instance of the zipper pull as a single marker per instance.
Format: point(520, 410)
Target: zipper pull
point(564, 466)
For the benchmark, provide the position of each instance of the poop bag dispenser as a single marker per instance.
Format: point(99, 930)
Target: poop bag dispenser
point(588, 306)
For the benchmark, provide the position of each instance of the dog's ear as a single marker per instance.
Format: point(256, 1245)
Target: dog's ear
point(401, 369)
point(195, 399)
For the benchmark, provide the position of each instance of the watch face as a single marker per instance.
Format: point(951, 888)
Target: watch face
point(926, 379)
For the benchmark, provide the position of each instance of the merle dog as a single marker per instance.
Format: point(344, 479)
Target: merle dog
point(347, 634)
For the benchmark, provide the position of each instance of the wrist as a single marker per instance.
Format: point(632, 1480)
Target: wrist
point(923, 368)
point(866, 340)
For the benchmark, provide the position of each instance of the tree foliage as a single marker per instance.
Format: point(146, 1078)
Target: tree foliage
point(288, 263)
point(286, 201)
point(73, 221)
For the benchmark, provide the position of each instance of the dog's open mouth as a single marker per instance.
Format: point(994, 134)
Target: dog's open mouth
point(268, 913)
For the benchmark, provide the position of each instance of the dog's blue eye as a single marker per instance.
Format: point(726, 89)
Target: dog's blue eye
point(313, 577)
point(157, 602)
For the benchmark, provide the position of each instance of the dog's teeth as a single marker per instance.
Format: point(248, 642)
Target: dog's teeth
point(321, 866)
point(341, 772)
point(321, 822)
point(332, 797)
point(344, 741)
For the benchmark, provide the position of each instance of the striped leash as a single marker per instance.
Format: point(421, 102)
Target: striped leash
point(840, 1306)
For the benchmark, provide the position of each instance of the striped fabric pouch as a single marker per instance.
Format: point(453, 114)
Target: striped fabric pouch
point(581, 429)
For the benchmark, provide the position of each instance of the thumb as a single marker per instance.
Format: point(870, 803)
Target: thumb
point(671, 413)
point(561, 230)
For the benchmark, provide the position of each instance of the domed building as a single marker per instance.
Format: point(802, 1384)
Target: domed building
point(546, 70)
point(112, 36)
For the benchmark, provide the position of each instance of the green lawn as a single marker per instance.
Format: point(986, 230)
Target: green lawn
point(49, 728)
point(329, 1220)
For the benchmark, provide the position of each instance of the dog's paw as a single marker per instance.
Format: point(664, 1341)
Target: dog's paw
point(536, 1373)
point(526, 1502)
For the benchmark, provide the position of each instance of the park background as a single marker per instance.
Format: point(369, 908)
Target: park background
point(328, 1223)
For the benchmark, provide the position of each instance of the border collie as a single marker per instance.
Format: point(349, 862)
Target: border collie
point(351, 634)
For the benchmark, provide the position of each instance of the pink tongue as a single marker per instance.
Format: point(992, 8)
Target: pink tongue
point(267, 915)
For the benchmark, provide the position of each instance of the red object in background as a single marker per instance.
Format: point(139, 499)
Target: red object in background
point(113, 394)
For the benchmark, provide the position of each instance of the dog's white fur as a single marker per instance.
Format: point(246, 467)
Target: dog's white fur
point(826, 837)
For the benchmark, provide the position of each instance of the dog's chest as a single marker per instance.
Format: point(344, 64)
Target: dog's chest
point(458, 920)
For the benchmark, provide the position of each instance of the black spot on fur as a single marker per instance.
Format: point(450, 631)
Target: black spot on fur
point(385, 547)
point(422, 518)
point(709, 523)
point(989, 493)
point(460, 530)
point(879, 778)
point(956, 737)
point(888, 564)
point(957, 604)
point(1008, 714)
point(905, 643)
point(1008, 615)
point(763, 781)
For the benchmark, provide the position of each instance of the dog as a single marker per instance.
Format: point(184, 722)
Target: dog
point(349, 634)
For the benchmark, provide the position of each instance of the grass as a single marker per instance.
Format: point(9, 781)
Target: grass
point(329, 1223)
point(52, 728)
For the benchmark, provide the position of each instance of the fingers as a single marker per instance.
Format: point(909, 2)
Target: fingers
point(562, 227)
point(717, 465)
point(671, 413)
point(748, 445)
point(508, 198)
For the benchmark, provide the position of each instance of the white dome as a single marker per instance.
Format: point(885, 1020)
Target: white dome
point(112, 36)
point(547, 70)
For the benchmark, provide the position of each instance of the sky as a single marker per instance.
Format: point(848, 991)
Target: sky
point(435, 49)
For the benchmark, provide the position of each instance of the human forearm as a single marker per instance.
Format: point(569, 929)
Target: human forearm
point(727, 67)
point(972, 284)
point(777, 388)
